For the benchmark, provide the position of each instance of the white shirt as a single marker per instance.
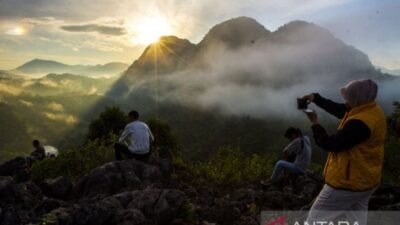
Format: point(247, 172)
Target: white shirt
point(303, 156)
point(140, 137)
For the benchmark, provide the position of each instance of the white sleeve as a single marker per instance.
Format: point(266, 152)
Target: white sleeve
point(123, 136)
point(151, 135)
point(294, 146)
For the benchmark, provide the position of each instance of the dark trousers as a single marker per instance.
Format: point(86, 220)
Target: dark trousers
point(121, 148)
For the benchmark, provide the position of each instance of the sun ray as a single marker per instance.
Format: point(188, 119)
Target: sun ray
point(150, 30)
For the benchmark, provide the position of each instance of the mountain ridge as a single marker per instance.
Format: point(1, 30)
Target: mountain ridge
point(246, 32)
point(44, 66)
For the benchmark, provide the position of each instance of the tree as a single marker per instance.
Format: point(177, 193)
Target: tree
point(165, 144)
point(111, 121)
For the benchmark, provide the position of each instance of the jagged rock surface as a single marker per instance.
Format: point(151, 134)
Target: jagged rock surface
point(131, 192)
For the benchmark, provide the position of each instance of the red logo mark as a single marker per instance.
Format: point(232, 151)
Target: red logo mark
point(281, 220)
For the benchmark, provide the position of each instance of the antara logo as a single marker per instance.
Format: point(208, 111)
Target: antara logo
point(282, 221)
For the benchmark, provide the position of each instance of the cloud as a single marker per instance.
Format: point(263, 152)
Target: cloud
point(26, 103)
point(65, 118)
point(54, 106)
point(101, 29)
point(41, 21)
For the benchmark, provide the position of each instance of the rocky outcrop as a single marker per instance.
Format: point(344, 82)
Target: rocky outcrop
point(116, 176)
point(58, 188)
point(17, 201)
point(18, 168)
point(131, 192)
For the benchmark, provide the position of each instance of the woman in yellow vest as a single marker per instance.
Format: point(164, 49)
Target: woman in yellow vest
point(353, 168)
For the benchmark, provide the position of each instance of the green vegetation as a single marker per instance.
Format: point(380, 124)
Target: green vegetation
point(230, 160)
point(111, 121)
point(74, 163)
point(98, 149)
point(230, 166)
point(391, 169)
point(165, 144)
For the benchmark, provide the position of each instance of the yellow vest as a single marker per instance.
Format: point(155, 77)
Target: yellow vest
point(360, 167)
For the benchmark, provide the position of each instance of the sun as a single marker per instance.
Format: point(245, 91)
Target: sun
point(18, 31)
point(150, 30)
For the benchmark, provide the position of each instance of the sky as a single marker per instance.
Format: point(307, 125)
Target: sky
point(101, 31)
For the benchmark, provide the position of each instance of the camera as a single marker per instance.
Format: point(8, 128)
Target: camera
point(302, 103)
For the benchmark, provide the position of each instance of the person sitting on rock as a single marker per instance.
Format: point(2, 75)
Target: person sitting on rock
point(353, 169)
point(297, 155)
point(140, 137)
point(39, 153)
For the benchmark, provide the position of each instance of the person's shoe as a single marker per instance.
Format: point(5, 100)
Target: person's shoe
point(266, 183)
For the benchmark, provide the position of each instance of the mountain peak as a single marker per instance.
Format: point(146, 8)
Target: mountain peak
point(169, 53)
point(302, 30)
point(235, 32)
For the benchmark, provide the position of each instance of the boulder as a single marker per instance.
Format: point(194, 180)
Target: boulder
point(116, 176)
point(162, 206)
point(150, 206)
point(48, 205)
point(130, 217)
point(96, 212)
point(386, 197)
point(58, 188)
point(17, 200)
point(18, 168)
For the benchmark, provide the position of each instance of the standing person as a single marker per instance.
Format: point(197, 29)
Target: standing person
point(353, 168)
point(297, 155)
point(139, 135)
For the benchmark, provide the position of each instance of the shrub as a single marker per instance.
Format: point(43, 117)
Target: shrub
point(230, 166)
point(74, 163)
point(165, 144)
point(111, 121)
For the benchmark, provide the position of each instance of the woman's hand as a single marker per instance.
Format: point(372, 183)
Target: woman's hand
point(309, 98)
point(313, 117)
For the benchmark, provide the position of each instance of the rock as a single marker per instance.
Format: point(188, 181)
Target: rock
point(103, 212)
point(162, 205)
point(47, 205)
point(246, 220)
point(58, 188)
point(115, 176)
point(308, 185)
point(17, 200)
point(130, 217)
point(227, 215)
point(165, 167)
point(18, 168)
point(386, 197)
point(106, 179)
point(150, 206)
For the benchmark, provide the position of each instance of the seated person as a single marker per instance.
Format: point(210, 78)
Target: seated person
point(39, 153)
point(297, 155)
point(139, 136)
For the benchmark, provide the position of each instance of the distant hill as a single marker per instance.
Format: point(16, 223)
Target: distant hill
point(42, 67)
point(8, 74)
point(394, 72)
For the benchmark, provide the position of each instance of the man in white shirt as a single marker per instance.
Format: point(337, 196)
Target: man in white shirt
point(135, 140)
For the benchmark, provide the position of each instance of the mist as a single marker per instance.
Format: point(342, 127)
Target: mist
point(264, 78)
